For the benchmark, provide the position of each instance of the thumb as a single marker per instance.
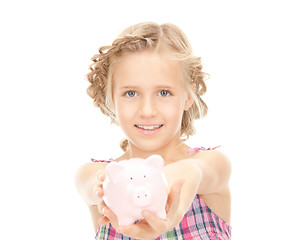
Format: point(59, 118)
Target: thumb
point(173, 200)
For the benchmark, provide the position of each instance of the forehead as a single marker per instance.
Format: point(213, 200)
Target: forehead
point(147, 67)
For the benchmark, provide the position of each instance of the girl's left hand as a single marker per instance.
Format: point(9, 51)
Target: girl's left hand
point(151, 226)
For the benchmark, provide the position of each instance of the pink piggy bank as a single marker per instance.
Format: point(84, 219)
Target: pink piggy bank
point(133, 185)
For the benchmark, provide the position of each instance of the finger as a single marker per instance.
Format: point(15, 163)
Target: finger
point(174, 198)
point(134, 231)
point(111, 216)
point(175, 188)
point(156, 223)
point(103, 221)
point(101, 207)
point(99, 191)
point(101, 176)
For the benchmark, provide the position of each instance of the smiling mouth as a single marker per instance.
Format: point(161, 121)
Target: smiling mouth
point(150, 127)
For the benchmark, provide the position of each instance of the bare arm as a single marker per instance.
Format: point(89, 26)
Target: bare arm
point(192, 177)
point(207, 174)
point(215, 168)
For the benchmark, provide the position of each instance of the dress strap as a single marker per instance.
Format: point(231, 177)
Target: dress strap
point(106, 161)
point(194, 150)
point(189, 151)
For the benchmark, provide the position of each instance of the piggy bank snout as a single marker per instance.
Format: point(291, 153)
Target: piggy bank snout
point(141, 197)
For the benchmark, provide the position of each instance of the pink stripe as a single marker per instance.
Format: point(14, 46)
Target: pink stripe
point(194, 150)
point(95, 160)
point(210, 227)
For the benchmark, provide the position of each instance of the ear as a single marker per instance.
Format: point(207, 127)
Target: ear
point(189, 102)
point(113, 169)
point(155, 161)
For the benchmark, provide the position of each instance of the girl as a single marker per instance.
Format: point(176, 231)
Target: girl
point(149, 83)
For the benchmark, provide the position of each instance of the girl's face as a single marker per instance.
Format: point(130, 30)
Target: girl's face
point(149, 98)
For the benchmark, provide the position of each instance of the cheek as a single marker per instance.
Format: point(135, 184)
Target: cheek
point(124, 113)
point(173, 111)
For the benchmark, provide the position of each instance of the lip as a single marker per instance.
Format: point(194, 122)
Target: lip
point(149, 132)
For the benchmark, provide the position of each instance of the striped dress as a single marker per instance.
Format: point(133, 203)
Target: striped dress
point(199, 222)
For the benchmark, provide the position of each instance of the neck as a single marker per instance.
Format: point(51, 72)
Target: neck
point(172, 152)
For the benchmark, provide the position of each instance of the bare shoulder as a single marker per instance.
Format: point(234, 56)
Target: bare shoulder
point(89, 167)
point(88, 172)
point(215, 158)
point(216, 171)
point(215, 190)
point(212, 154)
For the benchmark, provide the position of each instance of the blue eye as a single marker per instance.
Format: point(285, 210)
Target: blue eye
point(130, 94)
point(164, 93)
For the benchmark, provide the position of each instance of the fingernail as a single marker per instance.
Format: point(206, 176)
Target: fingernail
point(145, 213)
point(105, 211)
point(100, 176)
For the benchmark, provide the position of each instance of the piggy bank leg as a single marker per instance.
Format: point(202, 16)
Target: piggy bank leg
point(161, 215)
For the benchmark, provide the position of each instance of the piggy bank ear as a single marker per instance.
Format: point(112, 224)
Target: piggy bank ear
point(155, 161)
point(113, 169)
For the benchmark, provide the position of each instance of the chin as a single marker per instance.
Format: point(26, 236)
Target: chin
point(147, 146)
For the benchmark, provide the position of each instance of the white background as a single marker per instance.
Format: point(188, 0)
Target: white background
point(254, 51)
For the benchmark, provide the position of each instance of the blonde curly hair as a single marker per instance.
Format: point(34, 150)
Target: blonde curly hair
point(167, 39)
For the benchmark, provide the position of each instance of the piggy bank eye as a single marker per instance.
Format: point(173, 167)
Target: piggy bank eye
point(144, 176)
point(131, 178)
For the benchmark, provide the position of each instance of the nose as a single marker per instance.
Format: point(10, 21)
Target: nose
point(148, 108)
point(141, 196)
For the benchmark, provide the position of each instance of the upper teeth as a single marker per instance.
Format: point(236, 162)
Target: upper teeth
point(149, 127)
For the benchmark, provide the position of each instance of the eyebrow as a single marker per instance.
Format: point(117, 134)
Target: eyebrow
point(128, 87)
point(157, 87)
point(166, 86)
